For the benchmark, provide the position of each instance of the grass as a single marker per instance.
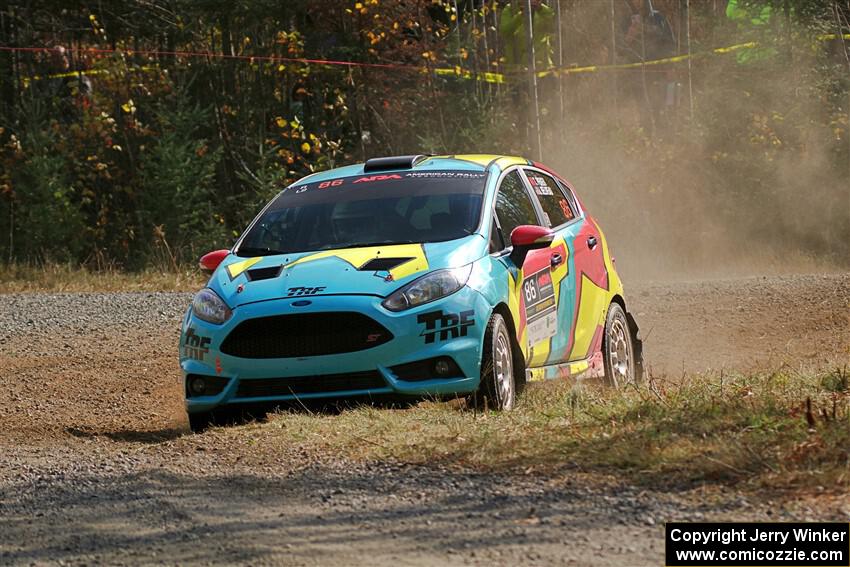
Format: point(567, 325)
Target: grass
point(777, 429)
point(53, 277)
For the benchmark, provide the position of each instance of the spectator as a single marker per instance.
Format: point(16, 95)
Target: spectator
point(66, 89)
point(512, 32)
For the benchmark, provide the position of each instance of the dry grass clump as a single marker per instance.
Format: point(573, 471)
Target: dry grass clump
point(54, 277)
point(780, 428)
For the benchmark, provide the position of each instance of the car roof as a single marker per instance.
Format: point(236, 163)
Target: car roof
point(465, 162)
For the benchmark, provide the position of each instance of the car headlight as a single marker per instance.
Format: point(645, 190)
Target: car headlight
point(209, 307)
point(428, 288)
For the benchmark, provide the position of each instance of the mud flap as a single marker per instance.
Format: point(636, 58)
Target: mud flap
point(637, 347)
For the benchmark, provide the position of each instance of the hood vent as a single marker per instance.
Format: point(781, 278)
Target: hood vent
point(382, 264)
point(263, 273)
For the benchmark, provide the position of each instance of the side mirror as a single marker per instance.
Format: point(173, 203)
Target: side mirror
point(209, 262)
point(528, 237)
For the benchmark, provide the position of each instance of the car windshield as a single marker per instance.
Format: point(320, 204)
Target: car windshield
point(368, 210)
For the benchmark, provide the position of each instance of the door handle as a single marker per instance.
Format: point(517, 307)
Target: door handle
point(556, 260)
point(591, 242)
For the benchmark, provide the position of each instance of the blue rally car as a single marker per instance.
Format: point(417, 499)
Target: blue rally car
point(461, 275)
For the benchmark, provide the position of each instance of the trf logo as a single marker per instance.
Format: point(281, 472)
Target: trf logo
point(448, 325)
point(299, 291)
point(195, 346)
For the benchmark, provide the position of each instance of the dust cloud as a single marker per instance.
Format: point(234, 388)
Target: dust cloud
point(755, 181)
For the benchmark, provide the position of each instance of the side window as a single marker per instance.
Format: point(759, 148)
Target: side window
point(496, 242)
point(552, 200)
point(513, 205)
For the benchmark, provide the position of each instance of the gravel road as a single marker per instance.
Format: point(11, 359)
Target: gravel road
point(96, 468)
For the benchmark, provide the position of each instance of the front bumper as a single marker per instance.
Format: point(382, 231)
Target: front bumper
point(412, 341)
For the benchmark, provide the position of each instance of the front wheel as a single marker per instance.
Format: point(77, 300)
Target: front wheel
point(618, 350)
point(199, 422)
point(498, 383)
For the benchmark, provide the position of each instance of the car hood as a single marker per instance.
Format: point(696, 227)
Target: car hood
point(373, 270)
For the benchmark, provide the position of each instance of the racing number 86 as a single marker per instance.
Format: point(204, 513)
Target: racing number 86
point(334, 183)
point(530, 291)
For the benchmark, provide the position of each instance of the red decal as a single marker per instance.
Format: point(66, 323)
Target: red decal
point(334, 183)
point(217, 365)
point(377, 178)
point(544, 279)
point(565, 208)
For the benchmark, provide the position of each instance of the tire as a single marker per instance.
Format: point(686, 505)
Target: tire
point(618, 349)
point(498, 389)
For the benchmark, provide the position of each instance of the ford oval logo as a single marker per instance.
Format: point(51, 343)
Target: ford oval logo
point(301, 303)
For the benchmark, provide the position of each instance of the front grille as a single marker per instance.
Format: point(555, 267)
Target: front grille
point(327, 383)
point(304, 334)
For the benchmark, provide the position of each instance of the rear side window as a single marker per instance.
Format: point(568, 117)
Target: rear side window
point(513, 205)
point(552, 200)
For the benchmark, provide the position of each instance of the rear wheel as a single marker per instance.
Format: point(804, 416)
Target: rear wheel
point(498, 387)
point(618, 349)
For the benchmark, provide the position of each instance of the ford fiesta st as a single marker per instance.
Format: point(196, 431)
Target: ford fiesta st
point(459, 275)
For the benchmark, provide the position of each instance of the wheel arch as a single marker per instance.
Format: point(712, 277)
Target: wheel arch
point(519, 361)
point(635, 331)
point(618, 299)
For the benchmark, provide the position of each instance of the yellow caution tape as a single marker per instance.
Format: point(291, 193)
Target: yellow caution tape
point(666, 60)
point(828, 36)
point(501, 78)
point(27, 80)
point(465, 74)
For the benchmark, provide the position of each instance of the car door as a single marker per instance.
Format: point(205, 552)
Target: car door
point(558, 212)
point(534, 296)
point(592, 285)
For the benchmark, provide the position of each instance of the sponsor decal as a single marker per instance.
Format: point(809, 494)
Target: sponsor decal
point(443, 326)
point(372, 178)
point(446, 175)
point(217, 365)
point(540, 185)
point(541, 311)
point(195, 346)
point(347, 182)
point(300, 291)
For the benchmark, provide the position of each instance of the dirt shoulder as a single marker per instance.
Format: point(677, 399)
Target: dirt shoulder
point(95, 468)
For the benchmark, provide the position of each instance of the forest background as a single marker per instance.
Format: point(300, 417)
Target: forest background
point(146, 132)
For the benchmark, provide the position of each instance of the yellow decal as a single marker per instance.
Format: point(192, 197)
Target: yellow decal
point(589, 316)
point(513, 307)
point(507, 161)
point(536, 374)
point(569, 371)
point(480, 159)
point(358, 256)
point(542, 349)
point(593, 303)
point(237, 268)
point(615, 285)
